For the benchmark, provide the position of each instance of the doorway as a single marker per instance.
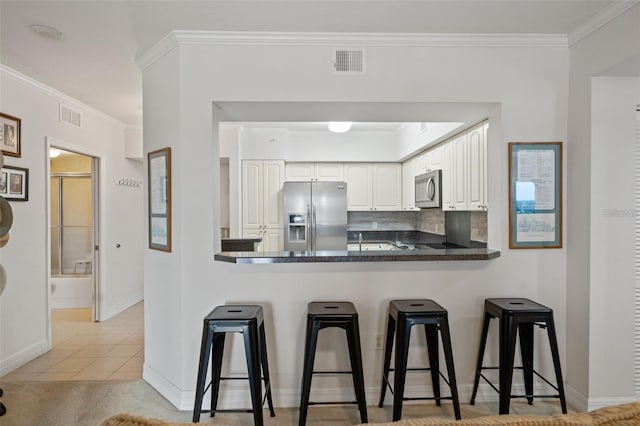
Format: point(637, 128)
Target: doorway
point(73, 231)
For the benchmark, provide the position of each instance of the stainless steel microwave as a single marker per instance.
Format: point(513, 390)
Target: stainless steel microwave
point(429, 190)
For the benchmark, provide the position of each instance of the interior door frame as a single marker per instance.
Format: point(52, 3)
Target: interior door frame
point(96, 178)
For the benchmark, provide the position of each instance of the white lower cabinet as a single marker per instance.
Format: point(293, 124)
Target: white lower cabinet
point(272, 239)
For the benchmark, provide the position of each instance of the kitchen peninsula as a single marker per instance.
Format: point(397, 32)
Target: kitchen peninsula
point(390, 246)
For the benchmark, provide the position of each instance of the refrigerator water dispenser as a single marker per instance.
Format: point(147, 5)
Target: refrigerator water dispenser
point(297, 227)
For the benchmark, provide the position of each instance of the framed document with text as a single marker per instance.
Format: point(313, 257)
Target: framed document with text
point(159, 168)
point(535, 195)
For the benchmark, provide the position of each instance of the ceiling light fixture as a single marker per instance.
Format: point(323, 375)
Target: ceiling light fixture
point(46, 31)
point(53, 153)
point(339, 126)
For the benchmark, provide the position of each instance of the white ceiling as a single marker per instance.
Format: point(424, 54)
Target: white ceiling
point(95, 62)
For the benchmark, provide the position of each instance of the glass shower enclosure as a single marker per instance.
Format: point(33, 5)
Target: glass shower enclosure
point(71, 224)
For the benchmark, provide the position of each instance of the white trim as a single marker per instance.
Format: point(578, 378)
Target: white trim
point(260, 38)
point(166, 388)
point(157, 51)
point(24, 356)
point(603, 17)
point(596, 403)
point(50, 91)
point(121, 306)
point(575, 398)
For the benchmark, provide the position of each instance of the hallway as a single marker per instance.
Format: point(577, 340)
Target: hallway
point(87, 350)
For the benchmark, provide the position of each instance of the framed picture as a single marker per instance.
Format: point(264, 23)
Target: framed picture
point(10, 135)
point(535, 195)
point(159, 168)
point(14, 183)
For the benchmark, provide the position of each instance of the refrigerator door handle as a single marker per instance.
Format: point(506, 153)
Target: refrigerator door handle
point(313, 212)
point(308, 226)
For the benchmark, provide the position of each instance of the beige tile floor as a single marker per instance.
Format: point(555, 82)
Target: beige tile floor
point(87, 350)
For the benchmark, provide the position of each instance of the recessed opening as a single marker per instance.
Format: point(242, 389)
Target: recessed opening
point(417, 304)
point(516, 303)
point(234, 310)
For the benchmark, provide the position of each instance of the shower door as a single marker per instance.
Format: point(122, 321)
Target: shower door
point(71, 225)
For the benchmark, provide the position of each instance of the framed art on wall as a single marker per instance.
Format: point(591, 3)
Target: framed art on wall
point(10, 135)
point(535, 195)
point(14, 183)
point(159, 168)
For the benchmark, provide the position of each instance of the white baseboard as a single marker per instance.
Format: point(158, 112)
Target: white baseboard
point(576, 399)
point(166, 388)
point(595, 403)
point(24, 356)
point(123, 305)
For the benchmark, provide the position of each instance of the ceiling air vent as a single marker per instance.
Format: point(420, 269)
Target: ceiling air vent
point(350, 61)
point(69, 116)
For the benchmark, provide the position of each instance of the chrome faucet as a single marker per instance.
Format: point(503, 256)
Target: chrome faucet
point(360, 240)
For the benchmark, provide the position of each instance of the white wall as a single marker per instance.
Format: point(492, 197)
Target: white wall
point(529, 84)
point(610, 45)
point(613, 151)
point(412, 138)
point(282, 144)
point(24, 331)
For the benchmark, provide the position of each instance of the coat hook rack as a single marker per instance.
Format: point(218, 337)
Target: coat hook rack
point(131, 183)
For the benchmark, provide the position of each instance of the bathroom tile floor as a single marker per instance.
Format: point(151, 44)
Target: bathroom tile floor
point(87, 350)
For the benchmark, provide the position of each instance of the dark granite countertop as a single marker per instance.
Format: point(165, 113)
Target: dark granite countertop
point(426, 254)
point(415, 246)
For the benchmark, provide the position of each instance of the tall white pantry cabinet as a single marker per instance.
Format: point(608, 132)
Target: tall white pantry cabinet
point(262, 182)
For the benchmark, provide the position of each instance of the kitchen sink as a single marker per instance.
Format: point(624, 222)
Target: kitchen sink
point(371, 246)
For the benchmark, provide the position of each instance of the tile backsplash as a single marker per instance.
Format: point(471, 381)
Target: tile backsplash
point(387, 221)
point(431, 220)
point(479, 226)
point(426, 220)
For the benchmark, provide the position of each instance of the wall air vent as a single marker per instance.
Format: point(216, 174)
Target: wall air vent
point(350, 61)
point(69, 116)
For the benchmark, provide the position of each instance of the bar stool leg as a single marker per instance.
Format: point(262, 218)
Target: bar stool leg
point(391, 328)
point(483, 344)
point(202, 371)
point(431, 333)
point(309, 358)
point(265, 369)
point(551, 332)
point(251, 345)
point(403, 335)
point(355, 356)
point(526, 351)
point(508, 331)
point(217, 350)
point(448, 356)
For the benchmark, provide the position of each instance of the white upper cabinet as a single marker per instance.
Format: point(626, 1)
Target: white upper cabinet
point(359, 178)
point(387, 186)
point(409, 173)
point(459, 183)
point(299, 172)
point(464, 171)
point(322, 172)
point(477, 151)
point(329, 172)
point(373, 186)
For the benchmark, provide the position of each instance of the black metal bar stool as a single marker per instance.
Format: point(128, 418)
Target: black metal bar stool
point(333, 314)
point(516, 315)
point(245, 319)
point(404, 314)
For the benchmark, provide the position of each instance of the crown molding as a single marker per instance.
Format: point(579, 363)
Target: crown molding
point(56, 94)
point(249, 38)
point(158, 50)
point(603, 17)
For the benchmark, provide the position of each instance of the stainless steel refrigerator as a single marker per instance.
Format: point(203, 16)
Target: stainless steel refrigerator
point(315, 216)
